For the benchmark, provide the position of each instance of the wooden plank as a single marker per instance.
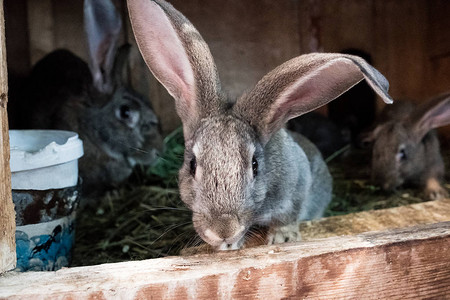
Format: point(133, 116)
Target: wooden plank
point(437, 76)
point(377, 220)
point(406, 263)
point(439, 23)
point(7, 216)
point(400, 46)
point(40, 28)
point(17, 32)
point(338, 29)
point(68, 27)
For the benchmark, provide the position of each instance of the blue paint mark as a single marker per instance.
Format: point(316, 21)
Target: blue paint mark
point(47, 252)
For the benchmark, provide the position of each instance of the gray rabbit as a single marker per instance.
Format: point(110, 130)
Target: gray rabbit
point(117, 125)
point(241, 168)
point(406, 148)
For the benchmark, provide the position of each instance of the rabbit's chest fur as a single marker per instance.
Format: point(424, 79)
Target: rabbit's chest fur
point(299, 184)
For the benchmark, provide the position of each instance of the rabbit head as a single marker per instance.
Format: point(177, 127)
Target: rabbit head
point(124, 127)
point(232, 149)
point(120, 119)
point(405, 149)
point(400, 110)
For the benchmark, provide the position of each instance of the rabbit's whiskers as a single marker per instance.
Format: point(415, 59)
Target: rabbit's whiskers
point(169, 228)
point(134, 148)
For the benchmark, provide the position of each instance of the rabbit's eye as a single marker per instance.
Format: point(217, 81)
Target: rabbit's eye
point(254, 166)
point(125, 112)
point(193, 165)
point(127, 115)
point(401, 155)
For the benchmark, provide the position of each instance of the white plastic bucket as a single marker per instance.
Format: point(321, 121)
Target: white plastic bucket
point(44, 179)
point(44, 159)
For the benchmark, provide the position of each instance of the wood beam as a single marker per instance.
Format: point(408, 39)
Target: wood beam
point(7, 216)
point(409, 263)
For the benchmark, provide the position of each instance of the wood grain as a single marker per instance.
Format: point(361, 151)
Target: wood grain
point(401, 45)
point(41, 28)
point(377, 220)
point(409, 263)
point(7, 220)
point(17, 46)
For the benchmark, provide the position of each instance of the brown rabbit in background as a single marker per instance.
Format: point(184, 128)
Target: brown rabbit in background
point(406, 148)
point(117, 125)
point(241, 167)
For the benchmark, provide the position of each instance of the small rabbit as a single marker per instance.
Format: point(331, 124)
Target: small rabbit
point(117, 125)
point(406, 148)
point(241, 168)
point(320, 130)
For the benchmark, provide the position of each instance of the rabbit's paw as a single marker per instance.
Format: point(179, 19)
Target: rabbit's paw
point(284, 234)
point(434, 190)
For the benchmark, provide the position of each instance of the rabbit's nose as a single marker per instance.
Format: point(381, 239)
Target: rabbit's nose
point(384, 180)
point(225, 229)
point(230, 237)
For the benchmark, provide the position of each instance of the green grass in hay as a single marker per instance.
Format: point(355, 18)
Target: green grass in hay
point(167, 166)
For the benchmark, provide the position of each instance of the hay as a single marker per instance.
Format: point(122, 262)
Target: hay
point(353, 191)
point(145, 217)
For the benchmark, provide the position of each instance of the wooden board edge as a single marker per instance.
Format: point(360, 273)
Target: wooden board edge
point(406, 262)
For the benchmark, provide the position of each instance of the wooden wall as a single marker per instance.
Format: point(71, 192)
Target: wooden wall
point(408, 40)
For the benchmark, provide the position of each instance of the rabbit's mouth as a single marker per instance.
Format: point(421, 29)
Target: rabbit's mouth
point(226, 233)
point(234, 242)
point(388, 181)
point(131, 161)
point(234, 246)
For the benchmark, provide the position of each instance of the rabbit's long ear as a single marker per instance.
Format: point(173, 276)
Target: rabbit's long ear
point(430, 115)
point(179, 58)
point(102, 25)
point(120, 62)
point(303, 84)
point(366, 139)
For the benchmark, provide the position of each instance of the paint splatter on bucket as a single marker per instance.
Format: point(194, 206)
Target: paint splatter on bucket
point(44, 179)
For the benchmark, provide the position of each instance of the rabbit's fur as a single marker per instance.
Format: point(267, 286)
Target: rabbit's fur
point(406, 148)
point(117, 125)
point(241, 168)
